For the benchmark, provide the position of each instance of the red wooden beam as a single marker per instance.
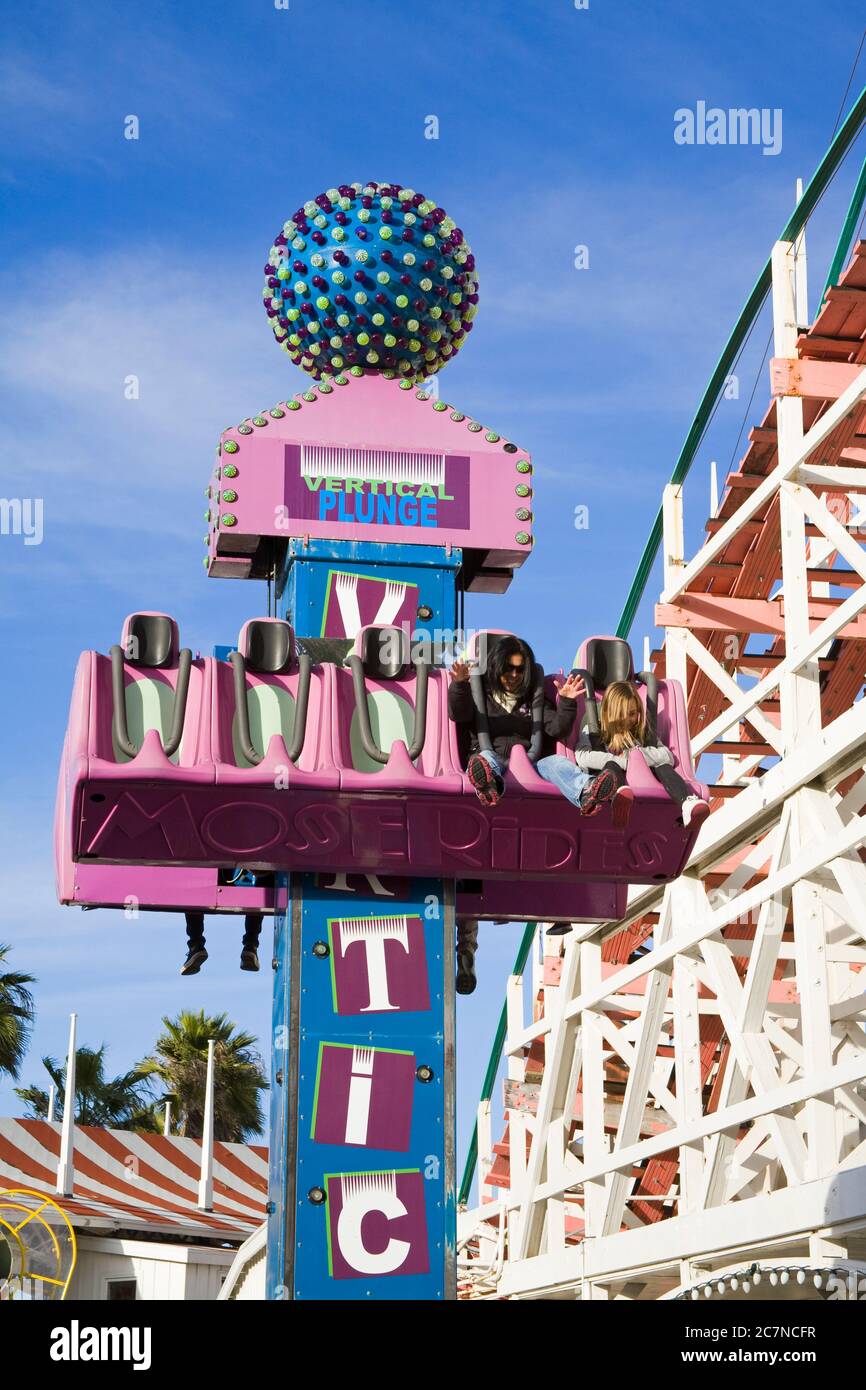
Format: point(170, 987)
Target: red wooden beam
point(813, 380)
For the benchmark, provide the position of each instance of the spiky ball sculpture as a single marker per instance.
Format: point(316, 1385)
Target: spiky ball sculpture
point(371, 276)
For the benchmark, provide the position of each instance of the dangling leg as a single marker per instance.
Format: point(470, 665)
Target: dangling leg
point(607, 785)
point(196, 955)
point(623, 796)
point(562, 773)
point(695, 810)
point(486, 771)
point(252, 931)
point(467, 945)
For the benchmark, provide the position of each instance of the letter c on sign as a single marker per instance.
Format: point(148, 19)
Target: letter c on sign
point(364, 1193)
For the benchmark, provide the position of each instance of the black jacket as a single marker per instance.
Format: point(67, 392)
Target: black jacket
point(507, 730)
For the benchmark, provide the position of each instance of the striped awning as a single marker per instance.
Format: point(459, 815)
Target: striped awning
point(142, 1182)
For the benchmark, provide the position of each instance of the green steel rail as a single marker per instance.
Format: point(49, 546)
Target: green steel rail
point(855, 207)
point(836, 152)
point(493, 1066)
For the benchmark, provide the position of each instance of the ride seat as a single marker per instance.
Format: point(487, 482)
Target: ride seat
point(602, 661)
point(521, 764)
point(387, 699)
point(153, 681)
point(264, 704)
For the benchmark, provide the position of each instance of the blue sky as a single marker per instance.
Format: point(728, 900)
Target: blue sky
point(144, 257)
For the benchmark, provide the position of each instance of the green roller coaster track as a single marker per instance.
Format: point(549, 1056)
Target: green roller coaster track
point(836, 151)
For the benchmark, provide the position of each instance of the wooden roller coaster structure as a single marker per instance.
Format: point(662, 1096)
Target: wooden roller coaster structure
point(688, 1099)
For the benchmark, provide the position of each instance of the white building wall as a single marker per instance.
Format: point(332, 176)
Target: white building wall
point(161, 1272)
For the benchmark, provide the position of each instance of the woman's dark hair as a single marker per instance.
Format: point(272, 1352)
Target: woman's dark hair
point(501, 651)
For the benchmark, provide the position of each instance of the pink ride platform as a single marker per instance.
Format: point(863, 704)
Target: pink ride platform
point(158, 822)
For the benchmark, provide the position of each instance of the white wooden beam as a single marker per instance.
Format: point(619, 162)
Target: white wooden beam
point(756, 500)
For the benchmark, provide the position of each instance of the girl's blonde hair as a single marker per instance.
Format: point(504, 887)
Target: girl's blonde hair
point(616, 734)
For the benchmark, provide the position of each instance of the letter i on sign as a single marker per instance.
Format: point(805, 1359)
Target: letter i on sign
point(363, 1096)
point(360, 1092)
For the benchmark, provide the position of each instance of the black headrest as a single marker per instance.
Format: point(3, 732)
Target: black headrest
point(384, 652)
point(149, 639)
point(270, 646)
point(608, 659)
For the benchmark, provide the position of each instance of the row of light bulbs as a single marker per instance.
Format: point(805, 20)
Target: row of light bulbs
point(744, 1280)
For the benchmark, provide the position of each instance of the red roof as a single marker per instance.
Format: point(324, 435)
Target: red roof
point(139, 1181)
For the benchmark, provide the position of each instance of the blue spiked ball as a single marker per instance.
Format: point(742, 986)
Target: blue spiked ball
point(371, 276)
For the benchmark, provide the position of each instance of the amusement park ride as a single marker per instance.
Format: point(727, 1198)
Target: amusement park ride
point(319, 754)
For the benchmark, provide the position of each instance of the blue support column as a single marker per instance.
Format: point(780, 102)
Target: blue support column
point(362, 1180)
point(362, 1168)
point(309, 596)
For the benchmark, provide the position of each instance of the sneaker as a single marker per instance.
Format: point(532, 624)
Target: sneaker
point(559, 929)
point(488, 785)
point(695, 810)
point(466, 980)
point(599, 790)
point(249, 958)
point(621, 810)
point(194, 961)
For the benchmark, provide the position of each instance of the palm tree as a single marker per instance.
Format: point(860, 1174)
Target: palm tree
point(180, 1062)
point(16, 1016)
point(117, 1102)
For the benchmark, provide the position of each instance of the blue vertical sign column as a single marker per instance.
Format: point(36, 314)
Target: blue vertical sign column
point(372, 999)
point(362, 1164)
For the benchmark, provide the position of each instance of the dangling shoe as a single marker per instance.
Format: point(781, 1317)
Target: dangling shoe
point(695, 811)
point(559, 929)
point(466, 979)
point(195, 960)
point(249, 958)
point(596, 792)
point(488, 785)
point(621, 808)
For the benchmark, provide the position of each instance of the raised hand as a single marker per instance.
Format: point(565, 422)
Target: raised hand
point(573, 688)
point(460, 671)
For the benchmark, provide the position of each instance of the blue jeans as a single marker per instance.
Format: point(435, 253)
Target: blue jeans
point(570, 780)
